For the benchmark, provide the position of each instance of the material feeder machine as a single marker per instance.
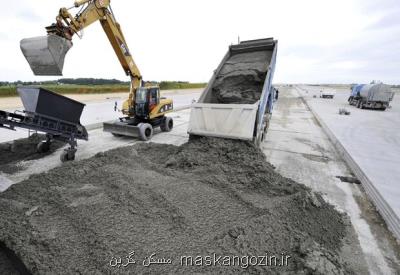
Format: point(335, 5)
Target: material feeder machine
point(59, 121)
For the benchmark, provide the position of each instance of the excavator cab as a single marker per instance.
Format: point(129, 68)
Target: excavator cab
point(147, 98)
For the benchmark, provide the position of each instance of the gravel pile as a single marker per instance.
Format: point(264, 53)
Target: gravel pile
point(207, 198)
point(241, 79)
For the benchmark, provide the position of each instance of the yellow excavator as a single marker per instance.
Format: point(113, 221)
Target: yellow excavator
point(144, 109)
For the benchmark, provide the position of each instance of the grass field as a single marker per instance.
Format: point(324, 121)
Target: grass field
point(6, 91)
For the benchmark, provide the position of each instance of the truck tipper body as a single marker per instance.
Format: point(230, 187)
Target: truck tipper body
point(374, 96)
point(238, 101)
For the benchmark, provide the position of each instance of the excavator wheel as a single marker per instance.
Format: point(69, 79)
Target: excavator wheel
point(167, 124)
point(145, 131)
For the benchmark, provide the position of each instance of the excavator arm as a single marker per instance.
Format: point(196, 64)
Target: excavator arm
point(46, 55)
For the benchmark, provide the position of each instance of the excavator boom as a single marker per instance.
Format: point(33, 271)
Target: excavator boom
point(46, 54)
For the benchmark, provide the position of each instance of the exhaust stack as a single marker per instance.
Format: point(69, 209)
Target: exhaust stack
point(46, 54)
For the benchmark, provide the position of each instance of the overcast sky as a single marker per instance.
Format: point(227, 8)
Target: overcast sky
point(338, 41)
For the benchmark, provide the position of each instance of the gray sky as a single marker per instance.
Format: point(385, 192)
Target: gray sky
point(340, 41)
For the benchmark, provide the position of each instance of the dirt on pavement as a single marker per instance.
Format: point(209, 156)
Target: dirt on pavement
point(12, 153)
point(207, 198)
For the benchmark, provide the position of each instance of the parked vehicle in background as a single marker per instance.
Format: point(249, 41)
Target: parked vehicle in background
point(374, 96)
point(326, 94)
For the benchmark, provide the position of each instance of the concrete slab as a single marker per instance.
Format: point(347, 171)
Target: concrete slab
point(370, 139)
point(298, 147)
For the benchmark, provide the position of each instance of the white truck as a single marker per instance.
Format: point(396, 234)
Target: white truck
point(374, 96)
point(327, 94)
point(238, 101)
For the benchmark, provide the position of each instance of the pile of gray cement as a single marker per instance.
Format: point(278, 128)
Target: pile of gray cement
point(241, 79)
point(24, 149)
point(207, 198)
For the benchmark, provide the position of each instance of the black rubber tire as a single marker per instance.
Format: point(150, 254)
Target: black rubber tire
point(358, 104)
point(43, 147)
point(145, 131)
point(67, 156)
point(64, 156)
point(167, 124)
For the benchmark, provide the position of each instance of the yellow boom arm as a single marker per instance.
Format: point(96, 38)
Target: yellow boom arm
point(93, 10)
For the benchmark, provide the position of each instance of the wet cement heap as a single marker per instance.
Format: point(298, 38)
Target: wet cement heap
point(22, 150)
point(241, 79)
point(206, 196)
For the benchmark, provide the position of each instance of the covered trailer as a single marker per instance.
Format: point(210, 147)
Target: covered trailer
point(375, 96)
point(238, 101)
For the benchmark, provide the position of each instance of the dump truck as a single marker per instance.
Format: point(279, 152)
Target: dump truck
point(374, 96)
point(40, 114)
point(238, 100)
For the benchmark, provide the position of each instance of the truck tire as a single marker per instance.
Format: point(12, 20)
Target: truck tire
point(145, 131)
point(167, 124)
point(43, 147)
point(67, 156)
point(358, 104)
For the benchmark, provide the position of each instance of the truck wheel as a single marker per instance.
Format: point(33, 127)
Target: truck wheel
point(145, 131)
point(67, 156)
point(358, 105)
point(64, 157)
point(43, 147)
point(167, 124)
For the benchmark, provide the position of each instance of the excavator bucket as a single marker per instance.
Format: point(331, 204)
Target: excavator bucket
point(45, 54)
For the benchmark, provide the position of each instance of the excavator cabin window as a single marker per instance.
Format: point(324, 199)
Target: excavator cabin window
point(153, 97)
point(141, 95)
